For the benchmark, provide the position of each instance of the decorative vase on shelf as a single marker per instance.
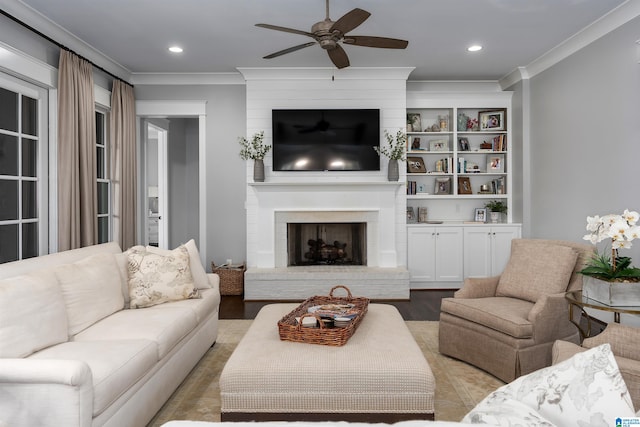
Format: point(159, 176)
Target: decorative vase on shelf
point(258, 170)
point(495, 217)
point(393, 173)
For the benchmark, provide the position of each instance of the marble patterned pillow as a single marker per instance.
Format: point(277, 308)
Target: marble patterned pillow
point(585, 390)
point(155, 279)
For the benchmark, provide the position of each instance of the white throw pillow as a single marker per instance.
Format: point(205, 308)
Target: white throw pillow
point(586, 389)
point(32, 314)
point(197, 270)
point(156, 279)
point(92, 290)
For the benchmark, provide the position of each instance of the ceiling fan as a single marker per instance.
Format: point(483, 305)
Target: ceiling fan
point(329, 34)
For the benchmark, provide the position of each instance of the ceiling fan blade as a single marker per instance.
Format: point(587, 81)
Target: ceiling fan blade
point(289, 50)
point(339, 57)
point(350, 20)
point(369, 41)
point(286, 30)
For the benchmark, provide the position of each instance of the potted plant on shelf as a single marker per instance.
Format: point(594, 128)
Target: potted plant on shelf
point(497, 208)
point(612, 279)
point(394, 151)
point(255, 150)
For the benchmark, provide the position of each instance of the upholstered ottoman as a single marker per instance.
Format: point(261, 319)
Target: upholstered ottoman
point(379, 375)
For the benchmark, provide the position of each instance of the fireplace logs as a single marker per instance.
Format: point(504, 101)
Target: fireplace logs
point(321, 252)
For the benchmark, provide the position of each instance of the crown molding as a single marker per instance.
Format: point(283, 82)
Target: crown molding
point(234, 78)
point(35, 19)
point(614, 19)
point(324, 73)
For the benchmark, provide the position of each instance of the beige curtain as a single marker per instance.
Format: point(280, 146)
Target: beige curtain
point(77, 199)
point(123, 164)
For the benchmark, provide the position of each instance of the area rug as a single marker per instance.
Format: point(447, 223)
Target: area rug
point(459, 387)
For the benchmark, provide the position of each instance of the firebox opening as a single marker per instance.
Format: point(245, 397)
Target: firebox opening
point(327, 243)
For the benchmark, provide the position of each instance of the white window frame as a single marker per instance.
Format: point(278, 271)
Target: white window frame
point(22, 87)
point(106, 167)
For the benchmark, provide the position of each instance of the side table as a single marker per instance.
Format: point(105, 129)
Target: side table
point(576, 299)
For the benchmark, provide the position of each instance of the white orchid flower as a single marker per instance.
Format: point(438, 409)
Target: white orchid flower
point(631, 217)
point(593, 222)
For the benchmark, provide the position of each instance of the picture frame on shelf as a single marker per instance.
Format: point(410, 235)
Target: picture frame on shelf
point(464, 185)
point(443, 185)
point(463, 144)
point(422, 214)
point(411, 217)
point(422, 188)
point(495, 163)
point(480, 215)
point(439, 145)
point(493, 120)
point(415, 143)
point(416, 165)
point(415, 121)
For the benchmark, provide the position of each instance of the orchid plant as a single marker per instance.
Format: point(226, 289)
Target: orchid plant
point(395, 149)
point(255, 149)
point(622, 230)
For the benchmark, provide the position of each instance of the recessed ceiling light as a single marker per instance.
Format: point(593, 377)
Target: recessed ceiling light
point(474, 48)
point(175, 49)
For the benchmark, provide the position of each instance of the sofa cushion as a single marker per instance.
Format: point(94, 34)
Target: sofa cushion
point(32, 314)
point(535, 269)
point(156, 279)
point(586, 389)
point(506, 315)
point(197, 270)
point(208, 303)
point(166, 327)
point(115, 365)
point(91, 289)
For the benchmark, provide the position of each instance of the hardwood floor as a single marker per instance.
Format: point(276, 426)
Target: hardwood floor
point(423, 305)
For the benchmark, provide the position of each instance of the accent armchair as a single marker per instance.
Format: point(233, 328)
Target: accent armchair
point(507, 324)
point(624, 341)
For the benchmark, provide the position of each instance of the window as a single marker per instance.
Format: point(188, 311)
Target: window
point(102, 179)
point(23, 170)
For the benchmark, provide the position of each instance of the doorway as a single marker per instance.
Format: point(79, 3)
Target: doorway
point(195, 186)
point(156, 188)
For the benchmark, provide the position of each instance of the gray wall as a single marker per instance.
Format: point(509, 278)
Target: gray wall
point(585, 137)
point(226, 182)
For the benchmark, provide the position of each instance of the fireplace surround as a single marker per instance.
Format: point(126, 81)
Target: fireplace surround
point(278, 204)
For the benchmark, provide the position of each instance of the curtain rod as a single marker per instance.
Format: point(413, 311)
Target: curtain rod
point(60, 45)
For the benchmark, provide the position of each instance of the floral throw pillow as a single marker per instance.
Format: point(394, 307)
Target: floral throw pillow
point(155, 279)
point(585, 390)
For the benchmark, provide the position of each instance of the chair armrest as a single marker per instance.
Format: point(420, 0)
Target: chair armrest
point(478, 287)
point(46, 392)
point(550, 318)
point(623, 339)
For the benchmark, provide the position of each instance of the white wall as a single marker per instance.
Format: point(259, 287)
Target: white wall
point(226, 177)
point(585, 137)
point(267, 89)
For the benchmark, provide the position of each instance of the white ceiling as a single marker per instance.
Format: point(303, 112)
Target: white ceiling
point(219, 35)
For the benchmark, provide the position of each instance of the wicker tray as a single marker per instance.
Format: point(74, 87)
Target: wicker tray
point(292, 330)
point(231, 279)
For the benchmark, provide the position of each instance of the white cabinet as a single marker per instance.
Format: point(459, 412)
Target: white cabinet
point(435, 256)
point(487, 249)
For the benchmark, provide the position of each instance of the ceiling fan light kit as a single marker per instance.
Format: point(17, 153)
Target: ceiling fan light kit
point(328, 34)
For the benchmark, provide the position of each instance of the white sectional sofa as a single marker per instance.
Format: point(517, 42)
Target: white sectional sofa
point(72, 352)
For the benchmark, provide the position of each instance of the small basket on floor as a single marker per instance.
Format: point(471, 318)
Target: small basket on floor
point(291, 329)
point(231, 278)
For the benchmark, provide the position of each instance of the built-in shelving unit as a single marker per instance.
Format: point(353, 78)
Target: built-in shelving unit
point(458, 159)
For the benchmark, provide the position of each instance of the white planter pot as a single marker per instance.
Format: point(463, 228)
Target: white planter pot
point(611, 293)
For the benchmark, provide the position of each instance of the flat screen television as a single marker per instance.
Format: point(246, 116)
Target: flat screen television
point(326, 140)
